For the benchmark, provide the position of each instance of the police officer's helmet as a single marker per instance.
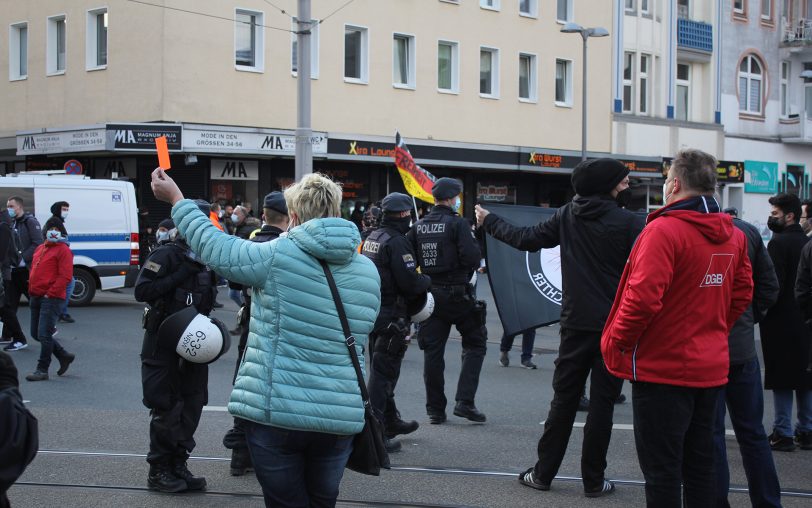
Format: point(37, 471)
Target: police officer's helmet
point(193, 336)
point(420, 308)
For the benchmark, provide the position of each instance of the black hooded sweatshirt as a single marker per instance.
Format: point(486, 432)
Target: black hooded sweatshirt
point(56, 220)
point(596, 237)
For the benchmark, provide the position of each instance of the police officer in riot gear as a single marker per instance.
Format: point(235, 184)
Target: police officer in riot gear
point(276, 220)
point(393, 255)
point(448, 253)
point(174, 390)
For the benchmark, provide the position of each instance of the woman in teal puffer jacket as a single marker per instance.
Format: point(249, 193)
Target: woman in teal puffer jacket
point(296, 384)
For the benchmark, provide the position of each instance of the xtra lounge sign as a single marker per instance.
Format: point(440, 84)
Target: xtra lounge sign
point(141, 137)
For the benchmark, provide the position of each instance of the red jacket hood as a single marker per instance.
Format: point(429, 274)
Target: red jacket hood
point(716, 227)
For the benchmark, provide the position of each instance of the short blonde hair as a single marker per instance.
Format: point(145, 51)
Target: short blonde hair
point(314, 196)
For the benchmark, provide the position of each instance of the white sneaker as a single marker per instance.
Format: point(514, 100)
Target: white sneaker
point(15, 346)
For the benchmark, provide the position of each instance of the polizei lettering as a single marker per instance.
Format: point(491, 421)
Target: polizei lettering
point(431, 228)
point(371, 247)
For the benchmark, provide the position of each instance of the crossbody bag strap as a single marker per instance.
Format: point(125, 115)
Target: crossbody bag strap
point(349, 340)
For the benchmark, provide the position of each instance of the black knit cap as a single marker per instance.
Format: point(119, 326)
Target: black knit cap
point(598, 176)
point(396, 202)
point(446, 188)
point(276, 201)
point(167, 223)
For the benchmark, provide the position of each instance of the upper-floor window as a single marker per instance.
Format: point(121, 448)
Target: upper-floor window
point(767, 9)
point(682, 111)
point(785, 70)
point(527, 77)
point(628, 81)
point(563, 82)
point(314, 48)
point(751, 80)
point(643, 82)
point(403, 61)
point(563, 11)
point(738, 6)
point(248, 40)
point(684, 9)
point(55, 58)
point(631, 5)
point(529, 8)
point(644, 7)
point(489, 72)
point(448, 68)
point(18, 51)
point(96, 42)
point(489, 4)
point(356, 51)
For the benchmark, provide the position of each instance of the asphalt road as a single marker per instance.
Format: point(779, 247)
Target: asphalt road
point(94, 432)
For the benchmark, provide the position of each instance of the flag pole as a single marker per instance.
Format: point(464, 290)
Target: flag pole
point(416, 214)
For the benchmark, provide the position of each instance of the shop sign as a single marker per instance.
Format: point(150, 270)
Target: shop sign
point(227, 169)
point(141, 137)
point(550, 160)
point(760, 177)
point(726, 171)
point(110, 168)
point(496, 193)
point(225, 141)
point(640, 166)
point(61, 142)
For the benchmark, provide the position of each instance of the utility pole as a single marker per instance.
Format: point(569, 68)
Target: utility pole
point(304, 131)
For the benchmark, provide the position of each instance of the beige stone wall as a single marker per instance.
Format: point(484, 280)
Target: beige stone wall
point(173, 66)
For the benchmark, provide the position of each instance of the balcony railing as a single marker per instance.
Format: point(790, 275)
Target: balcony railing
point(796, 31)
point(694, 35)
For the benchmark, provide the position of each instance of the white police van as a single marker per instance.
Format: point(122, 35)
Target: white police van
point(102, 225)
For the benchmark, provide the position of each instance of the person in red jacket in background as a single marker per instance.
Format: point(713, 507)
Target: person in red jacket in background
point(687, 280)
point(51, 271)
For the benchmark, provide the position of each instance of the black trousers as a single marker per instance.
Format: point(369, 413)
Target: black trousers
point(673, 432)
point(384, 375)
point(8, 314)
point(175, 391)
point(459, 310)
point(578, 355)
point(19, 287)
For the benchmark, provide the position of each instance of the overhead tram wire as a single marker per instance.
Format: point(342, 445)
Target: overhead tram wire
point(281, 10)
point(335, 11)
point(213, 16)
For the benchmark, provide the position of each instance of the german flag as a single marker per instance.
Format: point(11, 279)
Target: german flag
point(418, 181)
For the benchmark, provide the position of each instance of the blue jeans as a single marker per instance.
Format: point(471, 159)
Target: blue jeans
point(44, 313)
point(783, 411)
point(236, 296)
point(745, 400)
point(297, 468)
point(528, 339)
point(68, 292)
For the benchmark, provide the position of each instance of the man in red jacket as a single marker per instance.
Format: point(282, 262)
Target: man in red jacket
point(51, 271)
point(687, 280)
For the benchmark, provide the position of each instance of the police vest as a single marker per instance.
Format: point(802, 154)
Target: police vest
point(437, 248)
point(374, 249)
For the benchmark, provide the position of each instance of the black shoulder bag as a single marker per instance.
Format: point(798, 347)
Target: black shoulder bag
point(368, 451)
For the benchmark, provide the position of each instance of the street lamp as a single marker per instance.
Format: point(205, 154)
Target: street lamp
point(575, 28)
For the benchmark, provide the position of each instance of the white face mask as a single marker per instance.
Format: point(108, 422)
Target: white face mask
point(53, 235)
point(457, 204)
point(666, 197)
point(64, 215)
point(221, 213)
point(235, 218)
point(162, 236)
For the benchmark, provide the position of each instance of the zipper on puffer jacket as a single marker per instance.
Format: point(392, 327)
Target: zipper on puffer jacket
point(634, 363)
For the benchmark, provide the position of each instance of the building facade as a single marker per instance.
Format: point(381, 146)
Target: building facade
point(485, 90)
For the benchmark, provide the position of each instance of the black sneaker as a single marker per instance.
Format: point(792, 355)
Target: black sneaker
point(64, 363)
point(37, 375)
point(65, 318)
point(528, 364)
point(780, 443)
point(437, 417)
point(469, 411)
point(504, 360)
point(391, 445)
point(804, 440)
point(608, 488)
point(16, 346)
point(529, 479)
point(240, 462)
point(162, 479)
point(193, 482)
point(583, 404)
point(399, 427)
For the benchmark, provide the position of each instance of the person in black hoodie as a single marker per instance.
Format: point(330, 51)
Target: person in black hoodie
point(596, 236)
point(12, 331)
point(276, 220)
point(59, 213)
point(19, 441)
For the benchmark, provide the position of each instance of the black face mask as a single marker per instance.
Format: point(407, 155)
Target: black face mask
point(623, 198)
point(777, 225)
point(399, 224)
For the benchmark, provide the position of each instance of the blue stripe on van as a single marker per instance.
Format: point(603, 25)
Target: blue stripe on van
point(105, 255)
point(99, 237)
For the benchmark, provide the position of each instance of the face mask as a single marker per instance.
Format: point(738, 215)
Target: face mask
point(162, 236)
point(457, 204)
point(64, 215)
point(666, 197)
point(234, 218)
point(53, 236)
point(12, 212)
point(220, 214)
point(623, 198)
point(776, 225)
